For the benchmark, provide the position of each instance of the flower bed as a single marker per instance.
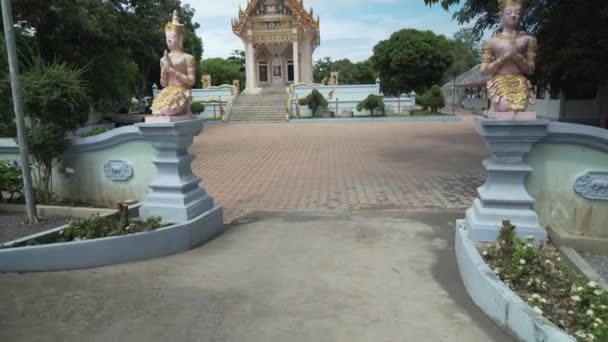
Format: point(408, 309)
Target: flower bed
point(537, 275)
point(94, 227)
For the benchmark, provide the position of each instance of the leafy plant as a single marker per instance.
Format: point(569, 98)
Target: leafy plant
point(314, 101)
point(432, 98)
point(96, 227)
point(11, 181)
point(94, 131)
point(55, 93)
point(411, 60)
point(56, 101)
point(536, 273)
point(372, 103)
point(197, 107)
point(47, 144)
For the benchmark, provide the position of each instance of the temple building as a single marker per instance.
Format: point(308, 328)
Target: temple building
point(280, 37)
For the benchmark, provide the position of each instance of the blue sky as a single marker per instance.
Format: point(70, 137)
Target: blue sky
point(349, 28)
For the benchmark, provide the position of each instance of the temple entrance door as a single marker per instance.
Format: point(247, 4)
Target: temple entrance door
point(290, 71)
point(263, 72)
point(277, 72)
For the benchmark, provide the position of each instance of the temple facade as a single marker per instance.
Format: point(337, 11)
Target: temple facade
point(280, 37)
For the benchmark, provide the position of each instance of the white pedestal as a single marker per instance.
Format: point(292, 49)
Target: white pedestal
point(175, 194)
point(504, 195)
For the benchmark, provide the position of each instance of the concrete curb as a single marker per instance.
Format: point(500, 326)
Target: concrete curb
point(113, 250)
point(52, 210)
point(447, 118)
point(580, 243)
point(496, 300)
point(579, 264)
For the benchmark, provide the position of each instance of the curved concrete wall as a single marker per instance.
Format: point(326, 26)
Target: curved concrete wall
point(568, 153)
point(81, 174)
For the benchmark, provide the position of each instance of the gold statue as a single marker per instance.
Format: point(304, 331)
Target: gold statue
point(509, 57)
point(178, 73)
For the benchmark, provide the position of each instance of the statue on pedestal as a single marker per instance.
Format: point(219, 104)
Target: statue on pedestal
point(178, 73)
point(509, 57)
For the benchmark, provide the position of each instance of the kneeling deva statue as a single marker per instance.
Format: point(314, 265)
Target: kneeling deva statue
point(177, 75)
point(509, 57)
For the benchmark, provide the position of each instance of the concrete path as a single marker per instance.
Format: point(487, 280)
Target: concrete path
point(334, 276)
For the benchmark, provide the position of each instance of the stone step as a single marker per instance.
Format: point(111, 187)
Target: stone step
point(262, 101)
point(258, 119)
point(265, 107)
point(259, 110)
point(282, 117)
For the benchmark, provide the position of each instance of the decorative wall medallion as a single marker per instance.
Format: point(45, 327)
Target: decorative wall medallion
point(593, 186)
point(118, 170)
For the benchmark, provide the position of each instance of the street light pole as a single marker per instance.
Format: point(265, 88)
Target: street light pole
point(11, 48)
point(454, 96)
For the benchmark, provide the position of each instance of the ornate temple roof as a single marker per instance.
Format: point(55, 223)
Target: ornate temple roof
point(293, 7)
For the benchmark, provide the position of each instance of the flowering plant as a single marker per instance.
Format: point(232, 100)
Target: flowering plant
point(537, 274)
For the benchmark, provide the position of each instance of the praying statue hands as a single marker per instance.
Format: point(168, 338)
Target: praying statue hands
point(166, 65)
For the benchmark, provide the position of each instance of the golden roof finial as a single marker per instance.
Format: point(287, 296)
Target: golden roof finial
point(175, 25)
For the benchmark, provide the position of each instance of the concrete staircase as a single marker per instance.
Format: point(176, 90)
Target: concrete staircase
point(269, 106)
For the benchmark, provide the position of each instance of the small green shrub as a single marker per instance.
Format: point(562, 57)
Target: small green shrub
point(94, 131)
point(55, 100)
point(372, 103)
point(536, 273)
point(96, 227)
point(47, 144)
point(314, 101)
point(432, 98)
point(197, 107)
point(11, 181)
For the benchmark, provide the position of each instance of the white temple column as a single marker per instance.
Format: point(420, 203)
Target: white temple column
point(250, 65)
point(296, 63)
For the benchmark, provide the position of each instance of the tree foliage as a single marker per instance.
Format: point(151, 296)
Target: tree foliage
point(572, 36)
point(119, 42)
point(55, 100)
point(350, 73)
point(54, 93)
point(432, 98)
point(411, 60)
point(224, 71)
point(372, 103)
point(11, 181)
point(197, 107)
point(465, 53)
point(314, 101)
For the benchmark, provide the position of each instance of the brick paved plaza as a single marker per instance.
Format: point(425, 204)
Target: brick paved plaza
point(399, 165)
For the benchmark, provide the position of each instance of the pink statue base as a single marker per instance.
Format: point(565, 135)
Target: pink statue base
point(168, 119)
point(512, 116)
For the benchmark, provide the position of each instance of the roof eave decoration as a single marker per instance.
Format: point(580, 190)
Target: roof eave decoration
point(296, 7)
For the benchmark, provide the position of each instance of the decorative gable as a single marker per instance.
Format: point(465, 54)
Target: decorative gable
point(275, 9)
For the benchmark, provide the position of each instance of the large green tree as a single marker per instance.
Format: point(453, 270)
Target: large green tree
point(411, 60)
point(119, 42)
point(572, 36)
point(224, 71)
point(465, 53)
point(350, 73)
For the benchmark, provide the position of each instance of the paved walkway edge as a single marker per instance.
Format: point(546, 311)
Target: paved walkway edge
point(443, 118)
point(496, 300)
point(581, 266)
point(95, 253)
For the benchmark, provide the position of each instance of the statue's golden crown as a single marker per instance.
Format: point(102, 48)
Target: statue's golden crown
point(504, 3)
point(175, 25)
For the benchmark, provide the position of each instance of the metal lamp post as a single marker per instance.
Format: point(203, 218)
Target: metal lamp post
point(11, 48)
